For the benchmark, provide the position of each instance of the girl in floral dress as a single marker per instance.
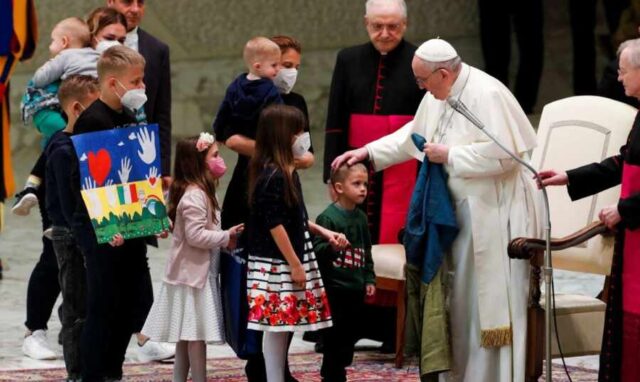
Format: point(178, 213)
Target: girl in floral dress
point(188, 310)
point(284, 287)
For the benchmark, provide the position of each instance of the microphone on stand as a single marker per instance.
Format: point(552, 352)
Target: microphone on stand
point(461, 108)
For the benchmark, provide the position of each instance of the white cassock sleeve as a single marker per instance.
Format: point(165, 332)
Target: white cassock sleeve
point(504, 119)
point(394, 148)
point(466, 162)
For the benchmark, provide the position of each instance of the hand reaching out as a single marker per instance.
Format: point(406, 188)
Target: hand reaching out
point(553, 178)
point(125, 170)
point(337, 240)
point(234, 232)
point(148, 144)
point(350, 157)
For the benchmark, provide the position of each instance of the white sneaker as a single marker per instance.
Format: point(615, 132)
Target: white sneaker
point(36, 346)
point(25, 201)
point(155, 351)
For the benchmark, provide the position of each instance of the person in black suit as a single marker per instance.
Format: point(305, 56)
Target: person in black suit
point(497, 19)
point(157, 79)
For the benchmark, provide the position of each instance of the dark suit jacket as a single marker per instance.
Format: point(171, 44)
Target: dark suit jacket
point(157, 79)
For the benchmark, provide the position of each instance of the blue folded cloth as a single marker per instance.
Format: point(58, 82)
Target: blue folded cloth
point(431, 221)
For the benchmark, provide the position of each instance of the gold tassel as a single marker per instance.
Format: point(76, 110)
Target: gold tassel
point(497, 337)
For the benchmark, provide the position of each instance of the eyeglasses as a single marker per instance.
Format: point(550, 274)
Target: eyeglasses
point(622, 72)
point(422, 81)
point(391, 28)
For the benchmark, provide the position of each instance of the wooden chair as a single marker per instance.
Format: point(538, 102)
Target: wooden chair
point(573, 132)
point(389, 261)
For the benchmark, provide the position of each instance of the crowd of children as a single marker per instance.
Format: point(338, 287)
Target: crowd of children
point(301, 275)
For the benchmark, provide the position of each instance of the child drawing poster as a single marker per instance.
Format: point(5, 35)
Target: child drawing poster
point(121, 182)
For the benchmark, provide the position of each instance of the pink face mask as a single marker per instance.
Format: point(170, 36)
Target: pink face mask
point(217, 167)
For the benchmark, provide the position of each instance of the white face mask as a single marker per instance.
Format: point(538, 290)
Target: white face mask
point(301, 145)
point(285, 79)
point(106, 44)
point(133, 99)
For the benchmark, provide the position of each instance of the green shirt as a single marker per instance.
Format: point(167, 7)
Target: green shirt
point(351, 268)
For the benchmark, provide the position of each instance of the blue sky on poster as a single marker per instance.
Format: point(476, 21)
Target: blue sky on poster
point(118, 155)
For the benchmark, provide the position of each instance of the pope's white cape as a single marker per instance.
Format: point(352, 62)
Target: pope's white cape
point(494, 198)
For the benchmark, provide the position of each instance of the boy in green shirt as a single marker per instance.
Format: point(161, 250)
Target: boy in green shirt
point(347, 274)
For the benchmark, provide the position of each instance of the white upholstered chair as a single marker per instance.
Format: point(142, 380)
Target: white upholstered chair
point(389, 261)
point(572, 132)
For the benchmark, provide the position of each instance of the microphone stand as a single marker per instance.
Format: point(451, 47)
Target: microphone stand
point(461, 108)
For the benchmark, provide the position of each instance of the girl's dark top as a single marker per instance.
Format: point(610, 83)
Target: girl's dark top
point(269, 210)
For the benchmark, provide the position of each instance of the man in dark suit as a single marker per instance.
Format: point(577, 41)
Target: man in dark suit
point(157, 80)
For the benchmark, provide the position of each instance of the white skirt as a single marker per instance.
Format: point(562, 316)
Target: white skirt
point(183, 313)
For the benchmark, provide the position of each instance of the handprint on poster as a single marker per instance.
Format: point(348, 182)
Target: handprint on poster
point(119, 171)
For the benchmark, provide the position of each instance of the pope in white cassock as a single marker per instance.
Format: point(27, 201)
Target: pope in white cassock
point(494, 201)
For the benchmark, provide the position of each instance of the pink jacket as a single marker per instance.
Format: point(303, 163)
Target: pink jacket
point(195, 239)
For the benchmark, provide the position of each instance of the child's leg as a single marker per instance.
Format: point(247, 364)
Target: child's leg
point(274, 348)
point(36, 176)
point(73, 286)
point(198, 360)
point(49, 122)
point(181, 363)
point(339, 340)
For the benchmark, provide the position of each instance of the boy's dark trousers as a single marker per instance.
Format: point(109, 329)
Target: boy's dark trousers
point(73, 284)
point(116, 280)
point(43, 288)
point(339, 340)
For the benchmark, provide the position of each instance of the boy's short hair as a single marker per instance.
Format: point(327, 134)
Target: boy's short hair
point(76, 30)
point(76, 87)
point(117, 59)
point(341, 173)
point(258, 49)
point(286, 42)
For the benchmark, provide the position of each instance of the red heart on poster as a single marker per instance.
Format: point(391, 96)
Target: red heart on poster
point(99, 165)
point(152, 181)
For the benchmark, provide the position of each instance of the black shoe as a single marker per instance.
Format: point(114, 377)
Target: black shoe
point(25, 200)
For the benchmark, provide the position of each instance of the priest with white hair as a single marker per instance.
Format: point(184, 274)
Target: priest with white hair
point(493, 197)
point(373, 93)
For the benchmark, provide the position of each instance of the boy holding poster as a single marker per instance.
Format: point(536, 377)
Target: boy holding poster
point(117, 273)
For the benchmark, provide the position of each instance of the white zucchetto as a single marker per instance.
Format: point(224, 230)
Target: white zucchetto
point(436, 50)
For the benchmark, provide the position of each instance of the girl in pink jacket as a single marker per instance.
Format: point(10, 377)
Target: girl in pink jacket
point(187, 310)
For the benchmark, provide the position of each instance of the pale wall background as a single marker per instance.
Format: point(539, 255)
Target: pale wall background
point(206, 38)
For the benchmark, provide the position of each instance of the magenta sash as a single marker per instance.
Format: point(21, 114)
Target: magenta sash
point(397, 181)
point(631, 252)
point(630, 284)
